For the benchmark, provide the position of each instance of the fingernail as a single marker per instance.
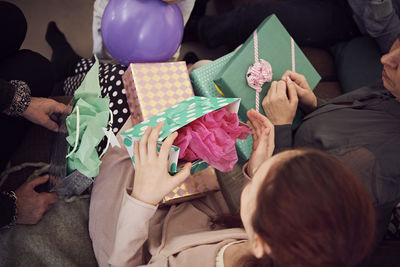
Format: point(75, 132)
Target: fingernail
point(288, 79)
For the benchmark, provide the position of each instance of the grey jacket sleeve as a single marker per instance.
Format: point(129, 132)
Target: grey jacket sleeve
point(378, 19)
point(283, 137)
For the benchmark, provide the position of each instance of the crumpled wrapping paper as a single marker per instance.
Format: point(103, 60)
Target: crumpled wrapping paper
point(212, 138)
point(93, 117)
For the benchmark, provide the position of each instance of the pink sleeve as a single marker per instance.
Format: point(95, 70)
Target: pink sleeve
point(132, 232)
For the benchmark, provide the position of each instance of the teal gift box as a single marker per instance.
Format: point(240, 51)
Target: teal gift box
point(175, 118)
point(203, 85)
point(275, 46)
point(202, 79)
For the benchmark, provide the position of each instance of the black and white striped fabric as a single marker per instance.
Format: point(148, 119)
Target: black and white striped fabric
point(110, 77)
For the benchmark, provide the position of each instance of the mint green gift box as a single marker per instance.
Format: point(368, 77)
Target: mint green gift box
point(274, 46)
point(175, 118)
point(203, 85)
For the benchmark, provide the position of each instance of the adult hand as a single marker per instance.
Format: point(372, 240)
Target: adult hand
point(152, 180)
point(171, 2)
point(280, 103)
point(40, 111)
point(263, 134)
point(31, 205)
point(307, 98)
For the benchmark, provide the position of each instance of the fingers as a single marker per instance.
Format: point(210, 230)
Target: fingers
point(38, 180)
point(281, 89)
point(49, 198)
point(258, 116)
point(182, 175)
point(274, 87)
point(263, 141)
point(271, 92)
point(292, 93)
point(56, 107)
point(152, 142)
point(50, 124)
point(143, 144)
point(277, 90)
point(250, 125)
point(166, 146)
point(257, 126)
point(136, 152)
point(297, 78)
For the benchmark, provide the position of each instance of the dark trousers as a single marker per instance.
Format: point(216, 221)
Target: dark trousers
point(23, 65)
point(317, 23)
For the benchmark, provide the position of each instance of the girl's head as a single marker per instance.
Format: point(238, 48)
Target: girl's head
point(304, 208)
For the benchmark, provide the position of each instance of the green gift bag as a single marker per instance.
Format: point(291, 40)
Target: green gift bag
point(275, 46)
point(203, 85)
point(86, 126)
point(175, 118)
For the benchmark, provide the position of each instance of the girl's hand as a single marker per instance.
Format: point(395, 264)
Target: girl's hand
point(152, 180)
point(263, 140)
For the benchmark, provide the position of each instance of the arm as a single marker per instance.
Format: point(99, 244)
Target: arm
point(15, 97)
point(26, 206)
point(132, 231)
point(262, 131)
point(283, 137)
point(378, 19)
point(280, 105)
point(16, 100)
point(151, 183)
point(8, 207)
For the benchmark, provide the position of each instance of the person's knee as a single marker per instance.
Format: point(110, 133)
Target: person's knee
point(30, 67)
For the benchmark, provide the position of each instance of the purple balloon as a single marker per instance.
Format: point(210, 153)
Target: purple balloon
point(141, 30)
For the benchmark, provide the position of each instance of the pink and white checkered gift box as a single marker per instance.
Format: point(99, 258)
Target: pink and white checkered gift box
point(154, 87)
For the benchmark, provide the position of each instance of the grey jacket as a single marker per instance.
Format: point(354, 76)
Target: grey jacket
point(362, 129)
point(378, 19)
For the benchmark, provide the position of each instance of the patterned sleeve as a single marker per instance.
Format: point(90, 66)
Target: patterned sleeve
point(8, 207)
point(20, 100)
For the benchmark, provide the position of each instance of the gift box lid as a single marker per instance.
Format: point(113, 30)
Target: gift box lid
point(274, 46)
point(203, 78)
point(157, 86)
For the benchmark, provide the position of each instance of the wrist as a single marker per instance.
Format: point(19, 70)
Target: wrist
point(21, 99)
point(144, 198)
point(282, 122)
point(13, 212)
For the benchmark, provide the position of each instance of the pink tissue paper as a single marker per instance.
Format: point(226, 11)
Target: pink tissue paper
point(212, 138)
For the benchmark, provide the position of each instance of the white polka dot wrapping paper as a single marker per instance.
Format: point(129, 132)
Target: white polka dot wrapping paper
point(177, 117)
point(203, 178)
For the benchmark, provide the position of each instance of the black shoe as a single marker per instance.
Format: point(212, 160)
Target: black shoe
point(190, 58)
point(64, 58)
